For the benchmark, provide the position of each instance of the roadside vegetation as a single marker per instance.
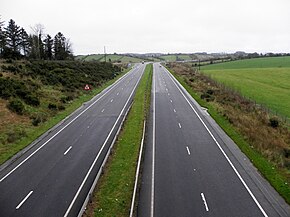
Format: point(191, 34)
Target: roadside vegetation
point(264, 138)
point(114, 190)
point(264, 80)
point(36, 95)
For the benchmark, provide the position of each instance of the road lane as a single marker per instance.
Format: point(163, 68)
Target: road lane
point(55, 177)
point(192, 175)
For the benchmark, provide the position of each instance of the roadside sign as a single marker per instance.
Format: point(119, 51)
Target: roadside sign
point(87, 87)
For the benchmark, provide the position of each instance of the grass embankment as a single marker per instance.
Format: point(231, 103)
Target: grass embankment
point(113, 193)
point(57, 94)
point(265, 80)
point(266, 147)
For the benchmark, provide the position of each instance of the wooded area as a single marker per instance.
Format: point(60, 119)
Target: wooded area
point(16, 43)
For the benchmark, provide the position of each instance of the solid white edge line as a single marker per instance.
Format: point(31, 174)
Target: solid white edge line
point(225, 155)
point(99, 153)
point(67, 150)
point(153, 150)
point(40, 147)
point(187, 150)
point(204, 201)
point(137, 171)
point(23, 201)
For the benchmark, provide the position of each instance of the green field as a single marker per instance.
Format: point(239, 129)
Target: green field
point(174, 57)
point(266, 80)
point(268, 62)
point(169, 58)
point(113, 57)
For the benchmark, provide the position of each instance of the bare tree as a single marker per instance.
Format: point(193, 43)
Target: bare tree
point(2, 36)
point(38, 31)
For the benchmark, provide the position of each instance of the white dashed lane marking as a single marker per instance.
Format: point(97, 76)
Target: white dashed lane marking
point(67, 150)
point(187, 150)
point(23, 201)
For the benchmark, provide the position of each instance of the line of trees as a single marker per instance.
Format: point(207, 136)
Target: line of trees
point(15, 42)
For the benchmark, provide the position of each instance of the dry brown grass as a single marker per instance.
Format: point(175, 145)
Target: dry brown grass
point(244, 115)
point(9, 118)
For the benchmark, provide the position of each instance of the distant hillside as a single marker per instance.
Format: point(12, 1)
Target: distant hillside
point(205, 58)
point(158, 57)
point(114, 58)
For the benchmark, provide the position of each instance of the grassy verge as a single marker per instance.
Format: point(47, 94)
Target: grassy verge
point(114, 191)
point(32, 133)
point(273, 174)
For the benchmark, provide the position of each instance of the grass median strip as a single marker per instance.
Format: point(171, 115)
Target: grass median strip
point(113, 193)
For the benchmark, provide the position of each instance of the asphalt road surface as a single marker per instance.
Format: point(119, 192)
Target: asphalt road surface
point(54, 176)
point(192, 168)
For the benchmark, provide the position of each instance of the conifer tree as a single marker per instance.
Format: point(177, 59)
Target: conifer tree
point(13, 36)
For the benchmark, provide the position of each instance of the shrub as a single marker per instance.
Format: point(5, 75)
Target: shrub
point(210, 92)
point(36, 121)
point(16, 106)
point(32, 100)
point(38, 118)
point(61, 108)
point(15, 135)
point(9, 61)
point(207, 96)
point(274, 122)
point(52, 106)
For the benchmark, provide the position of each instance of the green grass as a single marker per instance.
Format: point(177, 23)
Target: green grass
point(96, 57)
point(115, 188)
point(269, 62)
point(173, 57)
point(127, 59)
point(169, 58)
point(268, 85)
point(113, 57)
point(267, 169)
point(185, 57)
point(34, 132)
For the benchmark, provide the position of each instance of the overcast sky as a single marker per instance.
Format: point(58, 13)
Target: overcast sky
point(166, 26)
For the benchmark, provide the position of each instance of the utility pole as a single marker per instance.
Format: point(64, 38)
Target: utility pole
point(105, 54)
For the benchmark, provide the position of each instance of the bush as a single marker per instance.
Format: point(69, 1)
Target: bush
point(15, 135)
point(38, 118)
point(207, 96)
point(210, 92)
point(16, 106)
point(274, 122)
point(36, 121)
point(52, 106)
point(32, 100)
point(61, 108)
